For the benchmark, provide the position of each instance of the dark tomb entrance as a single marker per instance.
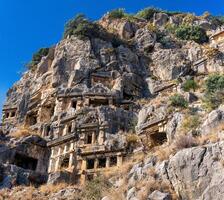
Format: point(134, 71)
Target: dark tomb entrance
point(158, 138)
point(90, 163)
point(99, 102)
point(25, 162)
point(102, 162)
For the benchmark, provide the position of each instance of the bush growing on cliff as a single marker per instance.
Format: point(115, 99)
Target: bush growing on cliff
point(117, 13)
point(37, 57)
point(81, 27)
point(189, 85)
point(147, 13)
point(178, 100)
point(214, 95)
point(214, 83)
point(188, 32)
point(191, 123)
point(213, 100)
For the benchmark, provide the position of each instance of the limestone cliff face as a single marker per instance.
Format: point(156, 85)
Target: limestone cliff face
point(94, 103)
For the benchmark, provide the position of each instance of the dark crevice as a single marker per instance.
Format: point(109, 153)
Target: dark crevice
point(202, 157)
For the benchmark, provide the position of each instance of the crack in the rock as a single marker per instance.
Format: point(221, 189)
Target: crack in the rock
point(202, 157)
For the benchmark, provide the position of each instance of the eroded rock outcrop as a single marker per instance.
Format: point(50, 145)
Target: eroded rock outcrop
point(96, 101)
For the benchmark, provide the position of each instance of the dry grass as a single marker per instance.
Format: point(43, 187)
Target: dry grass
point(132, 138)
point(206, 139)
point(22, 131)
point(190, 122)
point(143, 101)
point(164, 152)
point(212, 137)
point(184, 141)
point(116, 193)
point(152, 172)
point(121, 173)
point(146, 187)
point(126, 166)
point(19, 193)
point(52, 188)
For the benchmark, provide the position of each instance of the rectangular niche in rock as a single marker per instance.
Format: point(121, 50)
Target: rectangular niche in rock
point(31, 119)
point(74, 104)
point(113, 161)
point(25, 162)
point(102, 162)
point(89, 139)
point(99, 102)
point(158, 138)
point(90, 163)
point(65, 163)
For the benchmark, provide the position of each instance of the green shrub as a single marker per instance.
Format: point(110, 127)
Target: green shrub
point(171, 13)
point(152, 28)
point(213, 100)
point(81, 27)
point(170, 28)
point(147, 13)
point(189, 85)
point(195, 33)
point(117, 13)
point(37, 57)
point(214, 83)
point(221, 19)
point(217, 20)
point(178, 101)
point(191, 122)
point(130, 17)
point(214, 95)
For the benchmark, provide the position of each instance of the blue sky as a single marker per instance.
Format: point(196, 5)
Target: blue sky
point(27, 25)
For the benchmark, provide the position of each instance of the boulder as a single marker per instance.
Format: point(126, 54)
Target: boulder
point(127, 30)
point(170, 64)
point(121, 27)
point(213, 120)
point(11, 176)
point(160, 19)
point(175, 20)
point(145, 40)
point(157, 195)
point(198, 173)
point(191, 97)
point(131, 194)
point(106, 198)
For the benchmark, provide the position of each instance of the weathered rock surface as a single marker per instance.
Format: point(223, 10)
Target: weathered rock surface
point(213, 121)
point(173, 125)
point(197, 173)
point(157, 195)
point(170, 64)
point(122, 83)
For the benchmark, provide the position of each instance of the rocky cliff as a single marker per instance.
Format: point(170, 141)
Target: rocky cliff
point(128, 107)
